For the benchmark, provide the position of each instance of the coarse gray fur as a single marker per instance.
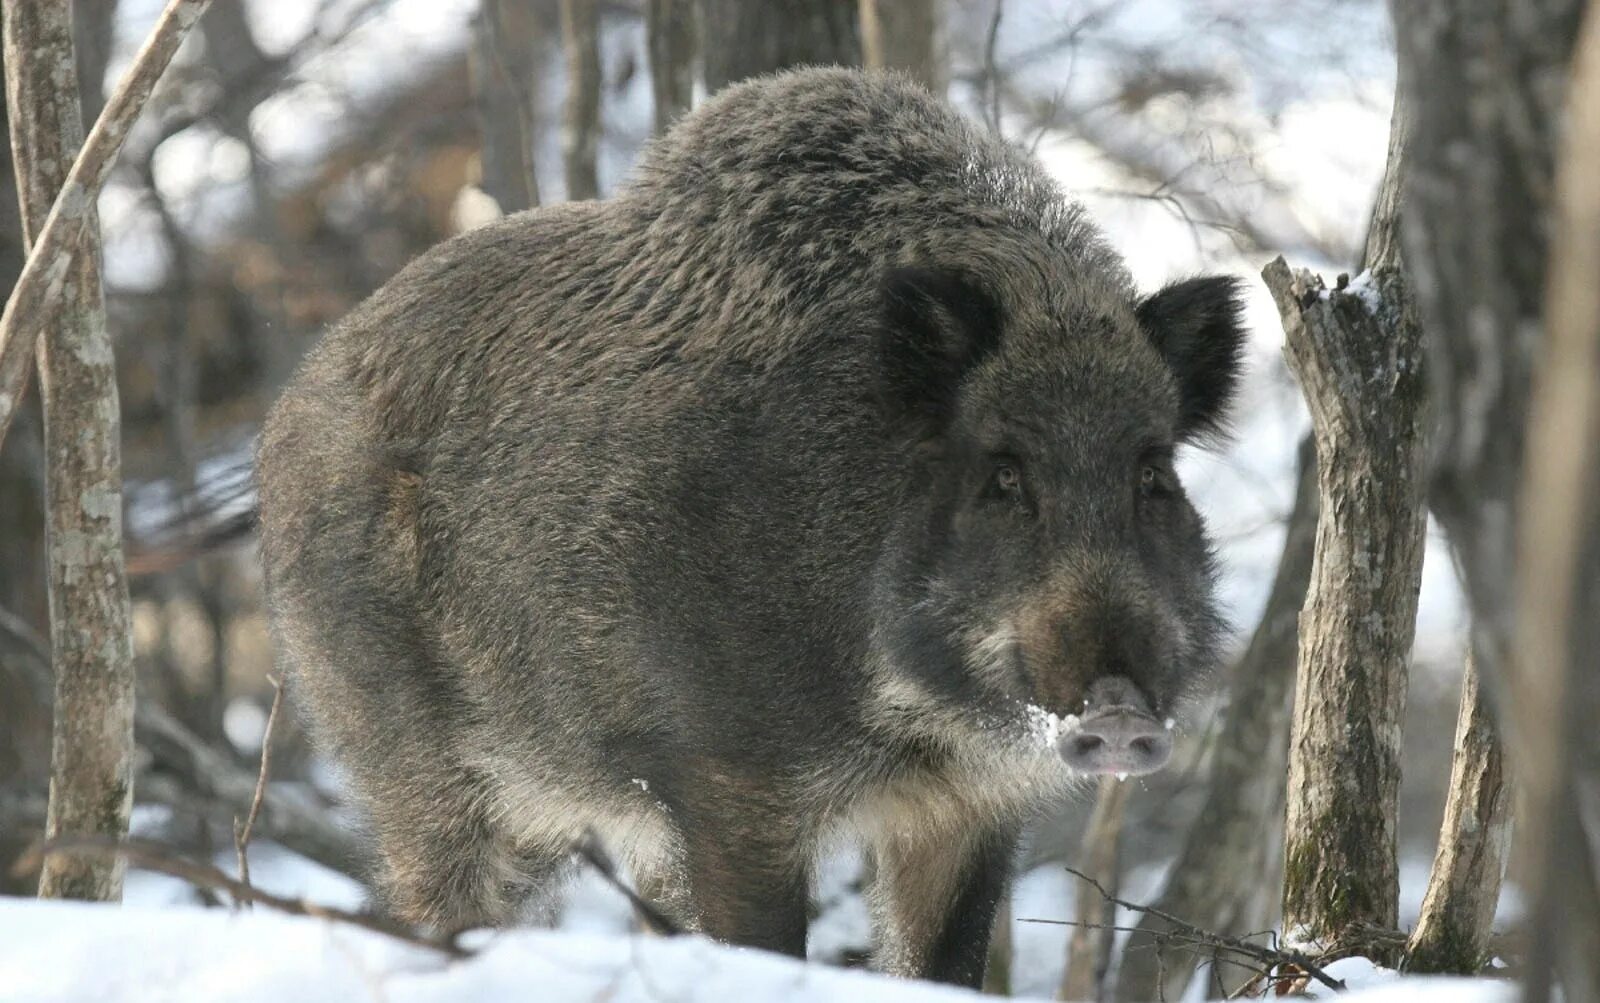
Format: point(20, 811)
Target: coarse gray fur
point(796, 493)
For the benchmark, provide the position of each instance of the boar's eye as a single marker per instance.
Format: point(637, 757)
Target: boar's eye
point(1157, 479)
point(1005, 481)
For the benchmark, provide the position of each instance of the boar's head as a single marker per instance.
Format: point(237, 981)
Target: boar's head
point(1048, 564)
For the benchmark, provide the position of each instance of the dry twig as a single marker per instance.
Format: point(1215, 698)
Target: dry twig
point(155, 857)
point(1188, 934)
point(589, 850)
point(242, 832)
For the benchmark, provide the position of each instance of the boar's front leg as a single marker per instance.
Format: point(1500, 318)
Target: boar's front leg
point(934, 900)
point(747, 875)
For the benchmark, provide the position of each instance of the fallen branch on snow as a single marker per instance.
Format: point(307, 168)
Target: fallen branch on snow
point(589, 850)
point(1192, 936)
point(155, 857)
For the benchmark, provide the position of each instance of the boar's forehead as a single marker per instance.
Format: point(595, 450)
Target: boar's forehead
point(1073, 396)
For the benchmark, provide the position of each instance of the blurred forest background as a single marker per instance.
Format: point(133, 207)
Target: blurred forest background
point(300, 152)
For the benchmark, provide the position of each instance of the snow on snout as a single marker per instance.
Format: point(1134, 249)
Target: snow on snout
point(1049, 727)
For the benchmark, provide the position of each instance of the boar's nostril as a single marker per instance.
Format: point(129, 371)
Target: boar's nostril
point(1118, 741)
point(1084, 745)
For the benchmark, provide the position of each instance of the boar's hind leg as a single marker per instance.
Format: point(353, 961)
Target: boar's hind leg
point(444, 860)
point(392, 718)
point(447, 865)
point(340, 544)
point(747, 879)
point(934, 900)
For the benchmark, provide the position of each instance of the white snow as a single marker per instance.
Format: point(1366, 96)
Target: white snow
point(1049, 726)
point(1364, 286)
point(53, 952)
point(1373, 984)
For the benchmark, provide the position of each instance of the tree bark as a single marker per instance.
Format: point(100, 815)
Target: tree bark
point(1357, 353)
point(997, 974)
point(1225, 873)
point(580, 129)
point(91, 773)
point(905, 35)
point(1558, 580)
point(670, 31)
point(1089, 948)
point(503, 61)
point(1488, 81)
point(744, 39)
point(1452, 934)
point(93, 31)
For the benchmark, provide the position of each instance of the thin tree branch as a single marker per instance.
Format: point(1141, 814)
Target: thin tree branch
point(1184, 929)
point(242, 833)
point(155, 857)
point(28, 310)
point(991, 67)
point(589, 850)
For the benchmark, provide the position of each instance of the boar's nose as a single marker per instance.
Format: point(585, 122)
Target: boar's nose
point(1117, 733)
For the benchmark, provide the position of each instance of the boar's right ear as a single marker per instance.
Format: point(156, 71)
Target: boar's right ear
point(937, 325)
point(1197, 326)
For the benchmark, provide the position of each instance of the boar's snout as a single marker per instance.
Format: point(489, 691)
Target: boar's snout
point(1116, 732)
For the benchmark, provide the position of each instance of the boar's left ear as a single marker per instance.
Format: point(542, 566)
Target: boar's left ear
point(937, 324)
point(1197, 327)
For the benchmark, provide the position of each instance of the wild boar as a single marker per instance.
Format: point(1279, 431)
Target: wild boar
point(818, 485)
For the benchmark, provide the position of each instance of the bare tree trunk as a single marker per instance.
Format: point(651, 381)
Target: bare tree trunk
point(744, 39)
point(670, 28)
point(905, 35)
point(1089, 948)
point(1357, 354)
point(503, 62)
point(91, 776)
point(1452, 934)
point(580, 130)
point(1225, 876)
point(1558, 580)
point(93, 24)
point(1488, 82)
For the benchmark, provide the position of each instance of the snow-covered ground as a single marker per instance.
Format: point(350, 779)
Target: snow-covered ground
point(58, 952)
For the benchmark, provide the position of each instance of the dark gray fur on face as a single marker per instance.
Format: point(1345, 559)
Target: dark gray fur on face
point(799, 492)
